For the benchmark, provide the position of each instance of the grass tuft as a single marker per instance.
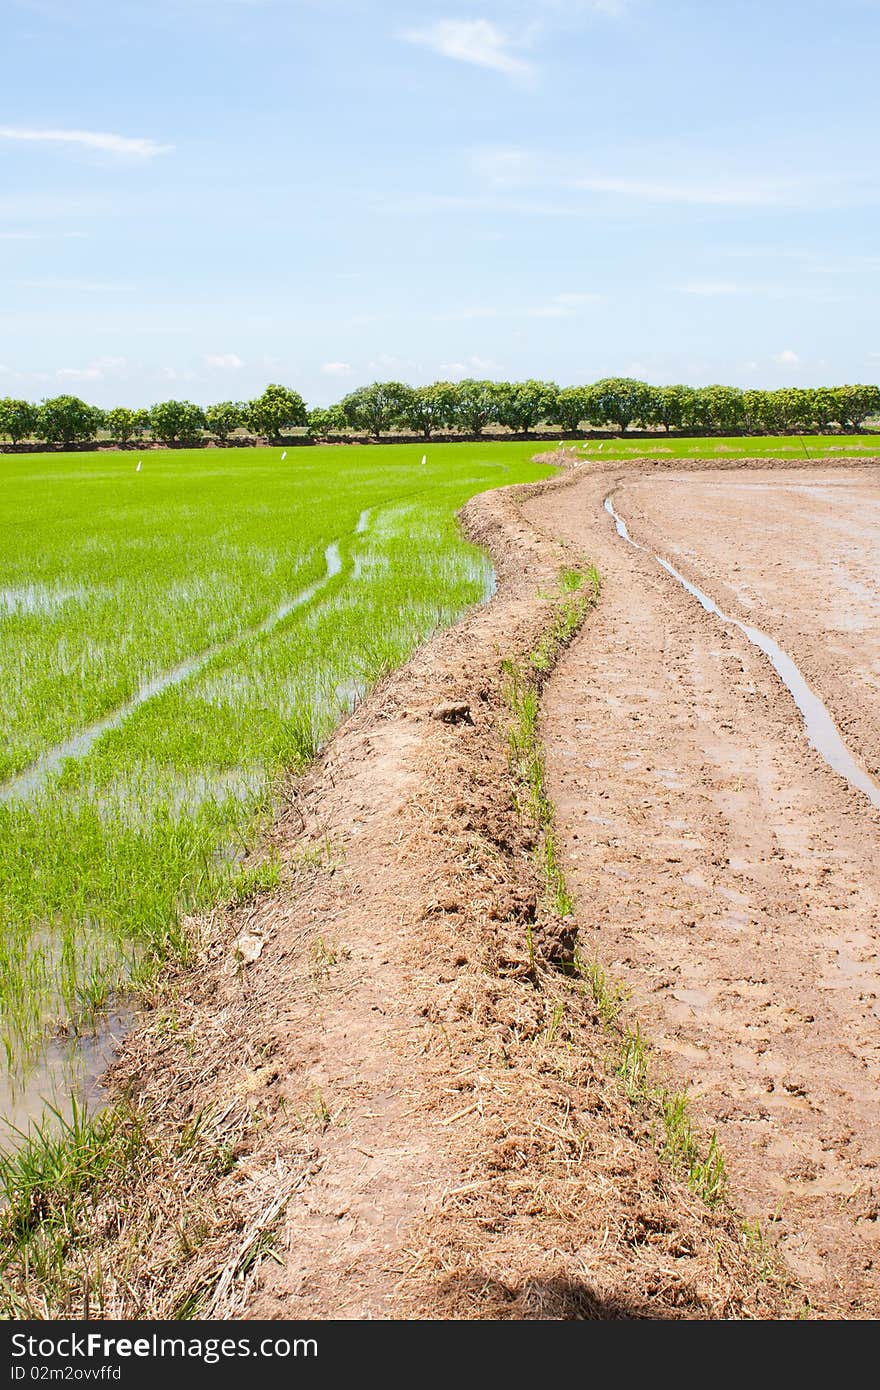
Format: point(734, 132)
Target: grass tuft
point(706, 1174)
point(578, 592)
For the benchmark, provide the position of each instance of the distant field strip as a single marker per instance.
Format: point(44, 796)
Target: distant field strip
point(802, 446)
point(170, 641)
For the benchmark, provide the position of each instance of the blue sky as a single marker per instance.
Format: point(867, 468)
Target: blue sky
point(200, 196)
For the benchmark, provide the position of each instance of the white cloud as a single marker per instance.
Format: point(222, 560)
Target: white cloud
point(712, 194)
point(80, 374)
point(564, 306)
point(516, 167)
point(77, 286)
point(41, 236)
point(336, 368)
point(172, 374)
point(561, 306)
point(613, 8)
point(390, 366)
point(480, 365)
point(474, 311)
point(787, 358)
point(475, 41)
point(98, 370)
point(123, 145)
point(578, 297)
point(225, 361)
point(710, 288)
point(769, 290)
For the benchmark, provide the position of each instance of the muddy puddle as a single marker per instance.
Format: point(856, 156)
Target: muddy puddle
point(69, 1073)
point(821, 730)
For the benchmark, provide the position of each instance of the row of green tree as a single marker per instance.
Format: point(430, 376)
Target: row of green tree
point(464, 407)
point(67, 420)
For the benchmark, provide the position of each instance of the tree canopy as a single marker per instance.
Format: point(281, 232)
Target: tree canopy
point(177, 422)
point(279, 408)
point(466, 407)
point(67, 420)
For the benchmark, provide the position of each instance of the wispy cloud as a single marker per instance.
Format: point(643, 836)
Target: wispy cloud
point(467, 312)
point(124, 146)
point(452, 371)
point(41, 236)
point(810, 261)
point(612, 8)
point(561, 306)
point(176, 374)
point(97, 370)
point(511, 167)
point(710, 289)
point(787, 358)
point(809, 292)
point(564, 306)
point(224, 361)
point(475, 41)
point(80, 374)
point(713, 193)
point(76, 286)
point(336, 368)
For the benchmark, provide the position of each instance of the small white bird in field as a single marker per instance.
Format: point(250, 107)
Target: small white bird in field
point(138, 469)
point(284, 456)
point(424, 459)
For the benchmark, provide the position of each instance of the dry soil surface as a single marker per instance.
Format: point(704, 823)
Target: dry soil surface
point(721, 868)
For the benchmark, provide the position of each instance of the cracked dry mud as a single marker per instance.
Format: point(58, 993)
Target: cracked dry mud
point(721, 869)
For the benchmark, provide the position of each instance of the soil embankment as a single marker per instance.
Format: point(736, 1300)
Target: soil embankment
point(723, 871)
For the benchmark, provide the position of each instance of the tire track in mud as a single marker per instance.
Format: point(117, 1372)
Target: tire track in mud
point(821, 729)
point(729, 877)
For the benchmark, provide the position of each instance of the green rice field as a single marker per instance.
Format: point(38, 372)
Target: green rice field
point(171, 639)
point(806, 446)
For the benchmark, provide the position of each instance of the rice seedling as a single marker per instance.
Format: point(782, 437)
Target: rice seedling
point(706, 1174)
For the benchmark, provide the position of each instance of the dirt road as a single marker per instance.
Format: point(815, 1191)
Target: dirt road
point(722, 870)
